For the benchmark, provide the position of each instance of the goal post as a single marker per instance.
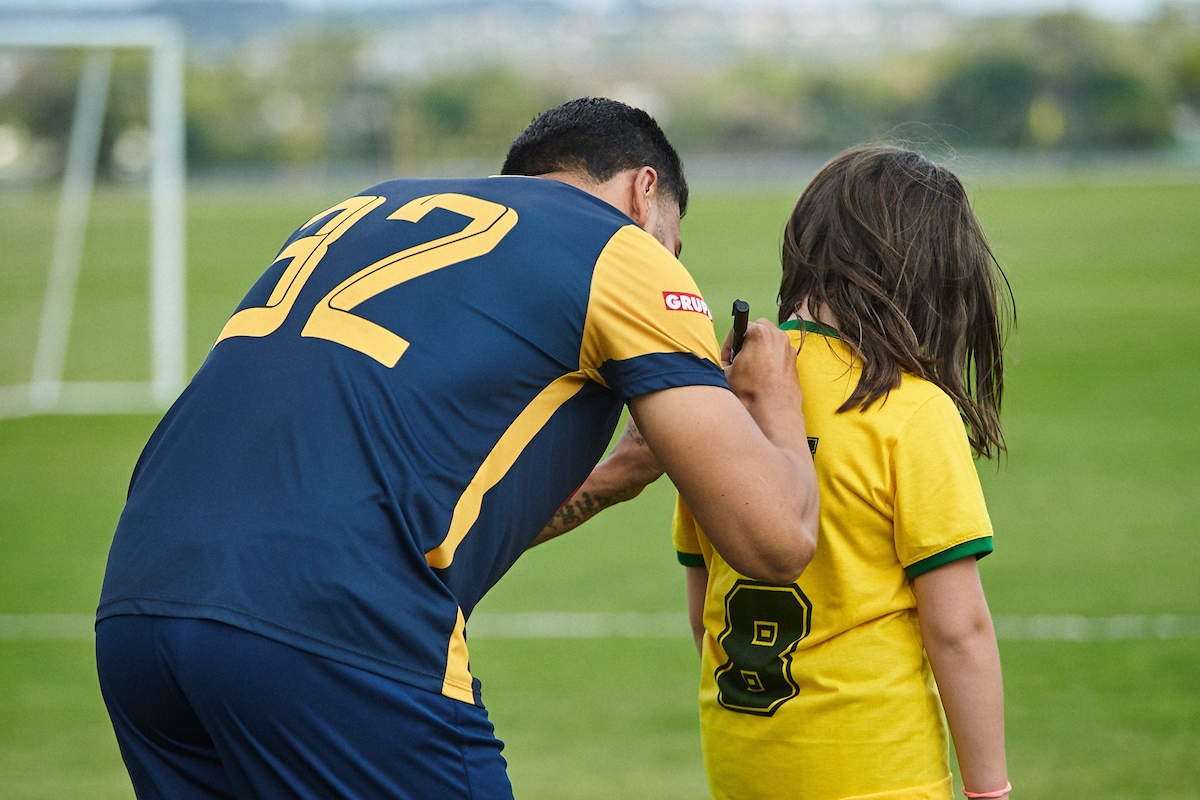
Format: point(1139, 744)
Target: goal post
point(47, 391)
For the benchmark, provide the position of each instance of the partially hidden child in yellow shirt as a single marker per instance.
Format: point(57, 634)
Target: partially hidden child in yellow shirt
point(828, 688)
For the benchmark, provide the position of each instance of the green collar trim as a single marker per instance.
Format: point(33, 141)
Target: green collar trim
point(810, 326)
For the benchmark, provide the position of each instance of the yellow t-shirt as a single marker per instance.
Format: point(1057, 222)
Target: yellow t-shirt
point(820, 689)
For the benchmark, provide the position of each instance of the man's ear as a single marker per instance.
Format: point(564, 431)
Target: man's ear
point(643, 191)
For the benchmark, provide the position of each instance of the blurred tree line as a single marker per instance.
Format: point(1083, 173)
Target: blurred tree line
point(1060, 81)
point(1063, 81)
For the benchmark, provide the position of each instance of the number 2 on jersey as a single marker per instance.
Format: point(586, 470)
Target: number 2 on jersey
point(332, 318)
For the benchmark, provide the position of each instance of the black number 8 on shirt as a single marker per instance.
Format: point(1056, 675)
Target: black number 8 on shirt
point(763, 625)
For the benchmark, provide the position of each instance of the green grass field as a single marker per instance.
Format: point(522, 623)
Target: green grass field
point(1096, 509)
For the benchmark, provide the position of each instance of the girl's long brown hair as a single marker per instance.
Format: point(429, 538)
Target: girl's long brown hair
point(887, 241)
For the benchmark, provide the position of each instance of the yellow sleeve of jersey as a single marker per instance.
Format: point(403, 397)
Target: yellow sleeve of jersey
point(644, 303)
point(940, 509)
point(686, 536)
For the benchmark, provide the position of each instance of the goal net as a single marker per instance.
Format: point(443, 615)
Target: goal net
point(75, 248)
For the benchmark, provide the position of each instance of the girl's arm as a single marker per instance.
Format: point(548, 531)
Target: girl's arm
point(697, 587)
point(961, 645)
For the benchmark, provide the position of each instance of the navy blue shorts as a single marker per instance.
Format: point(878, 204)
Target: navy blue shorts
point(206, 710)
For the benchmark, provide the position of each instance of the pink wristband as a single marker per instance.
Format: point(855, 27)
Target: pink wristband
point(997, 793)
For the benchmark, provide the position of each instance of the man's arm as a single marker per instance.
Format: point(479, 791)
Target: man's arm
point(629, 468)
point(743, 468)
point(741, 462)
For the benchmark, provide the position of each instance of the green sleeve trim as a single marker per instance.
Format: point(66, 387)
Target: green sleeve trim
point(976, 547)
point(691, 559)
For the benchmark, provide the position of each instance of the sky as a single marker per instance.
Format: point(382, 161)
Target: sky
point(1115, 9)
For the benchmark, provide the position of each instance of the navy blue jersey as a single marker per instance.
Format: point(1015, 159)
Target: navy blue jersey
point(400, 403)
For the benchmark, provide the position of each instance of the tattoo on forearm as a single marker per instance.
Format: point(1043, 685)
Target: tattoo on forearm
point(580, 508)
point(584, 505)
point(635, 435)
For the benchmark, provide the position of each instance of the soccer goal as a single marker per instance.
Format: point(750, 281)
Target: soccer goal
point(46, 389)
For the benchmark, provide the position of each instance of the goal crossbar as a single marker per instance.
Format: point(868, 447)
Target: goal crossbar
point(46, 391)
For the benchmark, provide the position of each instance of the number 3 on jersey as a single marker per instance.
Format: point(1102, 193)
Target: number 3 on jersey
point(332, 318)
point(763, 624)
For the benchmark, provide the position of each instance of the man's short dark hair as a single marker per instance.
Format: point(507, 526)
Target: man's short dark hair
point(599, 137)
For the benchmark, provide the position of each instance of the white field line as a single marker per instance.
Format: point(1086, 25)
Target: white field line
point(579, 625)
point(40, 627)
point(674, 625)
point(1097, 629)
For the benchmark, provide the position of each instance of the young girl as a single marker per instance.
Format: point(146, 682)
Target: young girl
point(834, 686)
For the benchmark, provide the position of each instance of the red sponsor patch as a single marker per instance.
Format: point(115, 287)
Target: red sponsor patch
point(682, 301)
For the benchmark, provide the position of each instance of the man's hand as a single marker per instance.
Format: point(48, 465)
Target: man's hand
point(764, 377)
point(629, 468)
